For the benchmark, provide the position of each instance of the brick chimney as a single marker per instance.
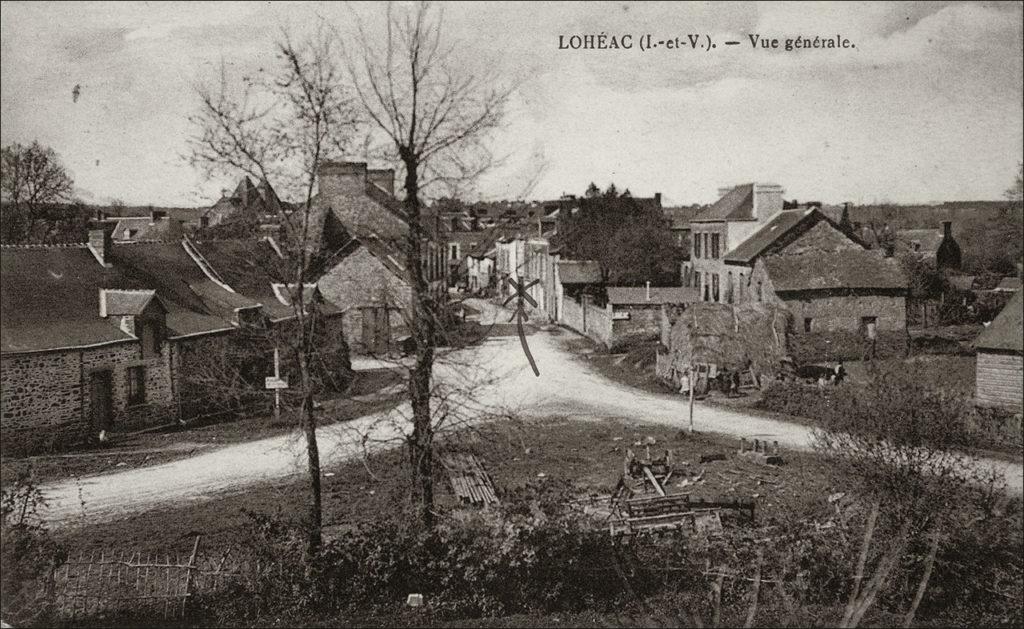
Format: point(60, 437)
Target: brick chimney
point(340, 180)
point(657, 198)
point(383, 178)
point(767, 200)
point(947, 229)
point(101, 244)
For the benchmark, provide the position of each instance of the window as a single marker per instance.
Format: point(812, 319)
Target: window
point(696, 245)
point(137, 385)
point(707, 250)
point(714, 287)
point(728, 288)
point(742, 289)
point(715, 245)
point(453, 250)
point(696, 280)
point(868, 325)
point(760, 295)
point(808, 323)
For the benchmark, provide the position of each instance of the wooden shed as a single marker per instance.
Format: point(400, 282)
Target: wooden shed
point(1000, 366)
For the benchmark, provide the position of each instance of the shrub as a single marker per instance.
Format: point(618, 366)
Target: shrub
point(28, 555)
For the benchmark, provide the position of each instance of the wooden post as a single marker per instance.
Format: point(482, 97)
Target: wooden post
point(277, 392)
point(692, 385)
point(195, 552)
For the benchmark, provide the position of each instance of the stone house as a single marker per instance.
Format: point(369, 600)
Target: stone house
point(999, 372)
point(364, 235)
point(844, 304)
point(740, 213)
point(637, 310)
point(100, 337)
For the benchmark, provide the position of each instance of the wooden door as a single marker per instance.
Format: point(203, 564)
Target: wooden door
point(383, 330)
point(100, 399)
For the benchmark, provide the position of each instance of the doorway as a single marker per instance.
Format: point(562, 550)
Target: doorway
point(100, 399)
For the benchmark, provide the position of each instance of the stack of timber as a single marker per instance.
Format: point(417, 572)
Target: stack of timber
point(469, 480)
point(677, 512)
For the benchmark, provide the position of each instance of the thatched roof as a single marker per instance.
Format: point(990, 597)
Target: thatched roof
point(730, 336)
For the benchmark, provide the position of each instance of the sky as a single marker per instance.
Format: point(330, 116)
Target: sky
point(926, 107)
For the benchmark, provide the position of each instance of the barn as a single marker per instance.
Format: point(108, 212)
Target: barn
point(1000, 349)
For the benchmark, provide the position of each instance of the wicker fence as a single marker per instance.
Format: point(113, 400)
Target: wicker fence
point(136, 584)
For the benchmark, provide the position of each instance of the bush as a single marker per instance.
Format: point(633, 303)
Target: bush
point(28, 555)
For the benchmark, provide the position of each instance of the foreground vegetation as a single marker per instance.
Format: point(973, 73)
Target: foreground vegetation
point(537, 559)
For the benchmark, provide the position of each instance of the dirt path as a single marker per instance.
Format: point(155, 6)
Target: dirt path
point(495, 377)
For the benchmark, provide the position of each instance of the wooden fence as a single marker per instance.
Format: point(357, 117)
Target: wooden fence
point(148, 585)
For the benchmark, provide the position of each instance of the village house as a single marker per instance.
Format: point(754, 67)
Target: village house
point(364, 234)
point(101, 336)
point(258, 201)
point(1000, 359)
point(936, 247)
point(637, 311)
point(844, 304)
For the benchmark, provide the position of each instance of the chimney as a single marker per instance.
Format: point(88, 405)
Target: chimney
point(100, 244)
point(947, 229)
point(156, 215)
point(342, 180)
point(767, 200)
point(383, 178)
point(657, 198)
point(648, 296)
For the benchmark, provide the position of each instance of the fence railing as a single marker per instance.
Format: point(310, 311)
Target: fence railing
point(136, 584)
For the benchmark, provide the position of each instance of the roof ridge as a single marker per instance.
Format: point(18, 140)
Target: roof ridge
point(56, 245)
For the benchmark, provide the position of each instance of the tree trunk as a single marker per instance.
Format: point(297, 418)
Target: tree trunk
point(423, 322)
point(312, 458)
point(929, 563)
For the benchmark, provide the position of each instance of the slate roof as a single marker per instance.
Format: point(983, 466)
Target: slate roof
point(50, 295)
point(736, 205)
point(141, 228)
point(631, 295)
point(763, 238)
point(49, 298)
point(579, 272)
point(928, 240)
point(1004, 333)
point(680, 217)
point(126, 302)
point(850, 269)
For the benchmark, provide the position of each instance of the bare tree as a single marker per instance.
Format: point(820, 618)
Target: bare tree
point(31, 177)
point(434, 117)
point(280, 126)
point(1016, 191)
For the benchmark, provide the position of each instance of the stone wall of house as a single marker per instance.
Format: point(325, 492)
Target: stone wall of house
point(589, 320)
point(159, 407)
point(837, 330)
point(46, 401)
point(999, 376)
point(41, 401)
point(643, 324)
point(362, 280)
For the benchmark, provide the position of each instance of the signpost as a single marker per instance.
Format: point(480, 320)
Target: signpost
point(276, 382)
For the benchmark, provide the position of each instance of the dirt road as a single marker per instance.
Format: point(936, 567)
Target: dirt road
point(493, 377)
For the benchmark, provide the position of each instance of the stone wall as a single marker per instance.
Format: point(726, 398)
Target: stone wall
point(589, 320)
point(46, 401)
point(42, 401)
point(362, 280)
point(999, 377)
point(643, 324)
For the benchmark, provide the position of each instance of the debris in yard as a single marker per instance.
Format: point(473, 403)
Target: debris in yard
point(469, 481)
point(541, 475)
point(760, 452)
point(677, 512)
point(328, 474)
point(708, 458)
point(650, 441)
point(414, 600)
point(691, 480)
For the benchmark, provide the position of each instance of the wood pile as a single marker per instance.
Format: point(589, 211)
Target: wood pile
point(470, 482)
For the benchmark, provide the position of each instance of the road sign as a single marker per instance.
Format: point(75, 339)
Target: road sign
point(273, 382)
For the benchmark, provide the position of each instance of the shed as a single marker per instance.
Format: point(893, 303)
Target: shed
point(1000, 366)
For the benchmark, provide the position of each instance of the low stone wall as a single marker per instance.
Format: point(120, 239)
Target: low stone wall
point(589, 320)
point(41, 401)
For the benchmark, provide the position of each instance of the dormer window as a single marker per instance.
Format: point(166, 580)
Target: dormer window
point(251, 317)
point(150, 333)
